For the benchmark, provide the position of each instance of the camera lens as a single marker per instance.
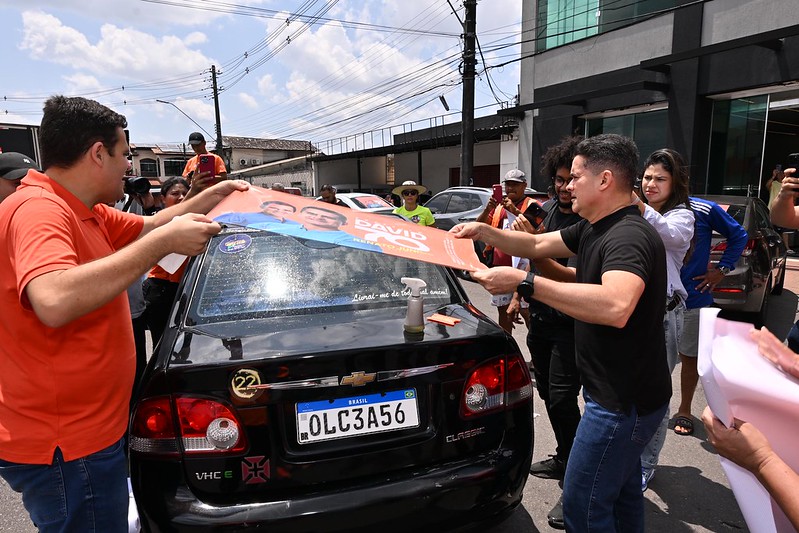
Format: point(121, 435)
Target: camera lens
point(138, 185)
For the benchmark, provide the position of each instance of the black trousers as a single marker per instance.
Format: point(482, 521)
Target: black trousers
point(557, 380)
point(159, 294)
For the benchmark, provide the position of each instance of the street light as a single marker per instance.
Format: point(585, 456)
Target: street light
point(187, 116)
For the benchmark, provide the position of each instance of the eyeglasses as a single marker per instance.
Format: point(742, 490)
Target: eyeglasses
point(410, 192)
point(560, 181)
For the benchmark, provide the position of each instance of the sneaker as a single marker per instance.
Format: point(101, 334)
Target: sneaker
point(646, 477)
point(552, 468)
point(555, 516)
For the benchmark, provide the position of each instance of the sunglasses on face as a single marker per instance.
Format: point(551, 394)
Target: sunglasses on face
point(409, 193)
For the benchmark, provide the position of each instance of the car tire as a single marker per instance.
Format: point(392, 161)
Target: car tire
point(777, 290)
point(759, 317)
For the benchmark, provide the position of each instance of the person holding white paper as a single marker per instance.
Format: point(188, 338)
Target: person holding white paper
point(747, 447)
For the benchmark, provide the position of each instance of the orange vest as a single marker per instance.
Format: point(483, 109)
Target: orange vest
point(496, 219)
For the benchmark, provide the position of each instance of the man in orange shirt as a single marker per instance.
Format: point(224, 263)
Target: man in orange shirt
point(67, 355)
point(191, 171)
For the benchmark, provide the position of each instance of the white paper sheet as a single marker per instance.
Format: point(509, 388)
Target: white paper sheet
point(740, 383)
point(171, 263)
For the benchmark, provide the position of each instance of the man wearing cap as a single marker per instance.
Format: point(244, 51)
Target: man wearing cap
point(191, 171)
point(410, 209)
point(13, 167)
point(515, 203)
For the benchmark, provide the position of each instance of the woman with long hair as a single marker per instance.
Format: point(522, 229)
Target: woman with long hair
point(666, 206)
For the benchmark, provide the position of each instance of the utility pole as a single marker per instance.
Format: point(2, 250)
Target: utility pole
point(219, 147)
point(467, 108)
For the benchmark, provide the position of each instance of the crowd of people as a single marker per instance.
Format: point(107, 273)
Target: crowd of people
point(610, 267)
point(625, 286)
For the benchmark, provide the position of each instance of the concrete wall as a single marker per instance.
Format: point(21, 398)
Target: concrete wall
point(618, 49)
point(724, 20)
point(436, 164)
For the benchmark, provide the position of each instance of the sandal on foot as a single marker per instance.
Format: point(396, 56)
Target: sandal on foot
point(685, 424)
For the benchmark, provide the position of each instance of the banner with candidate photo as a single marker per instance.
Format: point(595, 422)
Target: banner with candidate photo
point(305, 218)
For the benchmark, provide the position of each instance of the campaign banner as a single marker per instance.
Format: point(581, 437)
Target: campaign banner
point(740, 383)
point(306, 218)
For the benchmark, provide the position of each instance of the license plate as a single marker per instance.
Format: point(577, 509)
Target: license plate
point(357, 415)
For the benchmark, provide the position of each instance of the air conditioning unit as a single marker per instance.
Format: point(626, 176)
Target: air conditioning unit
point(255, 161)
point(243, 162)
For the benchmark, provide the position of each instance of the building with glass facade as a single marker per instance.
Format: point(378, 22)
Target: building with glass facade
point(717, 80)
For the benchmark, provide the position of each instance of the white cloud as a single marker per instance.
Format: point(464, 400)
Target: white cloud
point(195, 38)
point(82, 84)
point(248, 100)
point(119, 51)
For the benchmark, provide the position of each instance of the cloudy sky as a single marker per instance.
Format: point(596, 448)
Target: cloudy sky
point(311, 70)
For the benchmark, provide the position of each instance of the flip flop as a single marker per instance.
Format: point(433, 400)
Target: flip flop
point(684, 423)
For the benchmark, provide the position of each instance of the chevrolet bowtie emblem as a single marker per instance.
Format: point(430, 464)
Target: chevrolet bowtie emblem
point(357, 379)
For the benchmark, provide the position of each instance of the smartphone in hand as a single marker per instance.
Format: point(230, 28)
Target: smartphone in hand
point(497, 193)
point(535, 214)
point(206, 164)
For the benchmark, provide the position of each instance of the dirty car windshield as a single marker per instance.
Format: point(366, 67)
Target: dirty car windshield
point(261, 274)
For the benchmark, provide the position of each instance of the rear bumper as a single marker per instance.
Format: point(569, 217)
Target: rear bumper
point(446, 498)
point(740, 291)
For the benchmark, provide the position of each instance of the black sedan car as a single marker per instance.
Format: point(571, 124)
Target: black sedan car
point(286, 395)
point(760, 271)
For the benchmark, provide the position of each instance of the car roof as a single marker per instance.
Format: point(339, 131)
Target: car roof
point(725, 198)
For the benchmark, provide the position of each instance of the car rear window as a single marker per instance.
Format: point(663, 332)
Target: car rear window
point(738, 212)
point(272, 275)
point(370, 202)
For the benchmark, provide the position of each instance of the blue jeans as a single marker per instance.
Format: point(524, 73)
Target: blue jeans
point(602, 487)
point(793, 338)
point(87, 495)
point(672, 324)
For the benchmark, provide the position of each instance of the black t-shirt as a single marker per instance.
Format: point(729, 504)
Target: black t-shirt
point(554, 221)
point(623, 367)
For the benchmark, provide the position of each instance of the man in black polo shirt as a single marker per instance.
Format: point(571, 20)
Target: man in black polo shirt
point(616, 299)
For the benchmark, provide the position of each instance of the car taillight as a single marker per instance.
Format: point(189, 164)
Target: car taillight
point(208, 426)
point(494, 385)
point(152, 429)
point(722, 246)
point(205, 426)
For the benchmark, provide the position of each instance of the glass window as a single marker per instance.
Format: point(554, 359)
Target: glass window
point(648, 130)
point(463, 201)
point(438, 204)
point(370, 202)
point(561, 22)
point(736, 145)
point(174, 167)
point(277, 275)
point(149, 168)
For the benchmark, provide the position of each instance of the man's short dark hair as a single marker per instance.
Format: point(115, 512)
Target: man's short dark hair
point(559, 156)
point(327, 187)
point(270, 202)
point(70, 126)
point(342, 218)
point(614, 152)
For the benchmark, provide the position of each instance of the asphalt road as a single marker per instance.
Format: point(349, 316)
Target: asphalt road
point(688, 493)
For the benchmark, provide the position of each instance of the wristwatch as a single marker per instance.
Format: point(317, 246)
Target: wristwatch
point(724, 270)
point(527, 287)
